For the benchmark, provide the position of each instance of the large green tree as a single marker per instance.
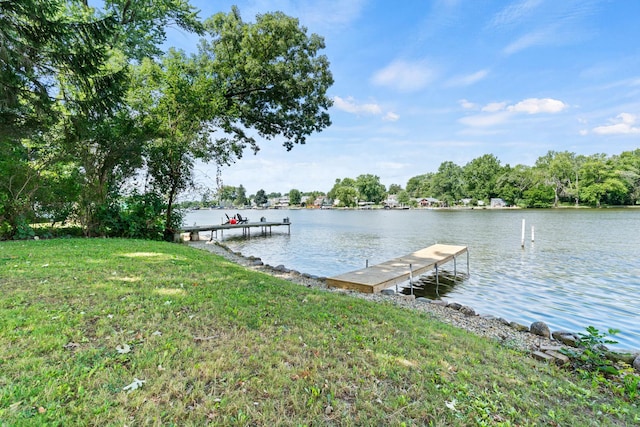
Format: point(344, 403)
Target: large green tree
point(559, 170)
point(601, 182)
point(241, 197)
point(370, 189)
point(344, 192)
point(448, 183)
point(268, 76)
point(513, 182)
point(261, 198)
point(110, 147)
point(395, 188)
point(63, 78)
point(52, 60)
point(420, 185)
point(170, 97)
point(629, 165)
point(480, 177)
point(295, 197)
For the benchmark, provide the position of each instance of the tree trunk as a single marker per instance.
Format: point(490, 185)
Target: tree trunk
point(168, 231)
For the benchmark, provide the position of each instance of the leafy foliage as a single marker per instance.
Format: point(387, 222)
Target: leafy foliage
point(370, 189)
point(46, 45)
point(592, 351)
point(295, 196)
point(268, 76)
point(556, 178)
point(261, 198)
point(593, 360)
point(138, 216)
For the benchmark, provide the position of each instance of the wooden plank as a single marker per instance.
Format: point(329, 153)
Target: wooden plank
point(381, 276)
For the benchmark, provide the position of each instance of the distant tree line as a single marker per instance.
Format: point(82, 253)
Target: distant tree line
point(557, 178)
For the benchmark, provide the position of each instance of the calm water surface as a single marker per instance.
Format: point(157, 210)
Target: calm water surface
point(582, 269)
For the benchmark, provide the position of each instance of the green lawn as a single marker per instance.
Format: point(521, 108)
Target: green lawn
point(212, 342)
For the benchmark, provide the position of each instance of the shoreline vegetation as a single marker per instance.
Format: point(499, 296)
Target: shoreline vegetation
point(114, 331)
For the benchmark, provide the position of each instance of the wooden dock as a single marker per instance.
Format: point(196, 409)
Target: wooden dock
point(381, 276)
point(265, 228)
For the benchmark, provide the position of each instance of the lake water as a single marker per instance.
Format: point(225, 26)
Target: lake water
point(582, 269)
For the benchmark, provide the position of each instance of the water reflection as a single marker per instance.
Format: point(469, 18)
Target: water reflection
point(432, 287)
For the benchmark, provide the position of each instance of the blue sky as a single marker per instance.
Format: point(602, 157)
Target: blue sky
point(418, 83)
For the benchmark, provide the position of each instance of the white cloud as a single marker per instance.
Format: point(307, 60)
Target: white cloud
point(484, 120)
point(531, 23)
point(515, 13)
point(469, 79)
point(391, 117)
point(405, 76)
point(467, 105)
point(494, 107)
point(623, 124)
point(528, 40)
point(496, 113)
point(350, 106)
point(537, 105)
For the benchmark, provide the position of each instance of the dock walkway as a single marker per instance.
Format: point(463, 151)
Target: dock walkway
point(265, 227)
point(381, 276)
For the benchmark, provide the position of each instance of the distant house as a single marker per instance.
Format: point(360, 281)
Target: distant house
point(321, 201)
point(429, 202)
point(392, 201)
point(498, 203)
point(279, 202)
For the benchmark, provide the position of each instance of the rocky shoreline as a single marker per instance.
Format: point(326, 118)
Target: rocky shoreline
point(536, 339)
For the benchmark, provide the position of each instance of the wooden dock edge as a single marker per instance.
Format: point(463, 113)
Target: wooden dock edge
point(337, 282)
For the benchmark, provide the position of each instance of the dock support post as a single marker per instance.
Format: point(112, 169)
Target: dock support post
point(533, 234)
point(411, 278)
point(467, 262)
point(522, 240)
point(437, 280)
point(455, 267)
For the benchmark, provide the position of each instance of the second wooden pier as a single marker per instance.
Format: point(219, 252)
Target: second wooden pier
point(265, 228)
point(381, 276)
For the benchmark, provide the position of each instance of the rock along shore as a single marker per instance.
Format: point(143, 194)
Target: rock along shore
point(536, 339)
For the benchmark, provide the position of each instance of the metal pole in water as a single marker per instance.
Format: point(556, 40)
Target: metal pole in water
point(522, 233)
point(367, 264)
point(533, 233)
